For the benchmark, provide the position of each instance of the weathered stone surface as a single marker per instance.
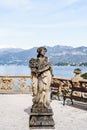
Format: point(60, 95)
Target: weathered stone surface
point(41, 71)
point(41, 109)
point(41, 121)
point(41, 117)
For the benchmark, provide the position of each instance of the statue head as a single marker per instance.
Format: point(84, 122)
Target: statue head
point(41, 51)
point(41, 48)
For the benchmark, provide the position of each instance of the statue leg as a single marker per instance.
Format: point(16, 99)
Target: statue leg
point(46, 85)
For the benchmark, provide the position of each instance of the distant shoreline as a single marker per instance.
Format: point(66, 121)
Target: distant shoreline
point(64, 64)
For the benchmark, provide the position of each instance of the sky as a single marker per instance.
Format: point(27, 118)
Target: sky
point(33, 23)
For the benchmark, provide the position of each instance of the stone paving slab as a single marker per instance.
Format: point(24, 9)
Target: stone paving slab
point(15, 111)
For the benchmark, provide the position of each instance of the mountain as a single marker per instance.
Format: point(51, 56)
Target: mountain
point(57, 54)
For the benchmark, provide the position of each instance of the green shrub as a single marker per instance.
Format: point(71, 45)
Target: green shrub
point(84, 75)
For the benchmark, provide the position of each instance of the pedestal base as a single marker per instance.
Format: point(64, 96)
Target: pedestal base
point(41, 119)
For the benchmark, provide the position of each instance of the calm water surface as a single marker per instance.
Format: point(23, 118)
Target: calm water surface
point(60, 71)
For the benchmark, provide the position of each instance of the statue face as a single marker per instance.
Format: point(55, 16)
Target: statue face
point(42, 52)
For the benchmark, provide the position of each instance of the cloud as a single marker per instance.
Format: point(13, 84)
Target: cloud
point(13, 33)
point(14, 38)
point(54, 25)
point(11, 4)
point(9, 45)
point(22, 29)
point(60, 4)
point(47, 4)
point(70, 2)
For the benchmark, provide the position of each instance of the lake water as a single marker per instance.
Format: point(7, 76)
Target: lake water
point(60, 71)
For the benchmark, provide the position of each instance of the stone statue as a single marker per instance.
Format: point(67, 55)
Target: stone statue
point(77, 77)
point(75, 81)
point(41, 71)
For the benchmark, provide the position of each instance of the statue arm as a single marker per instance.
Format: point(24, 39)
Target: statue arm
point(43, 69)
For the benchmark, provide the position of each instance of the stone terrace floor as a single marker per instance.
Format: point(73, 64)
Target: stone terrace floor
point(15, 110)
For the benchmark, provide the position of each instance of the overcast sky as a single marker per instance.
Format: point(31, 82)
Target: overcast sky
point(29, 23)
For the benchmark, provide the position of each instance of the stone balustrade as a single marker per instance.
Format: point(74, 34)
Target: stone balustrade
point(15, 84)
point(23, 84)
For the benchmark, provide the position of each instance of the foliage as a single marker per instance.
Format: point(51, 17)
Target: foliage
point(84, 75)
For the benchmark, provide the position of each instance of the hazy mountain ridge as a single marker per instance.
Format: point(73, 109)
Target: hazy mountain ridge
point(56, 55)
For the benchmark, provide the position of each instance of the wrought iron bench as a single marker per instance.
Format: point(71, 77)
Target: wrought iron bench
point(76, 93)
point(65, 87)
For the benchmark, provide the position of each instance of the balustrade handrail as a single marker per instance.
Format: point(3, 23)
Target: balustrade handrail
point(15, 76)
point(69, 79)
point(29, 76)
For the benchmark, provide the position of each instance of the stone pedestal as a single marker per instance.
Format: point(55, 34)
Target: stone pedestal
point(41, 117)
